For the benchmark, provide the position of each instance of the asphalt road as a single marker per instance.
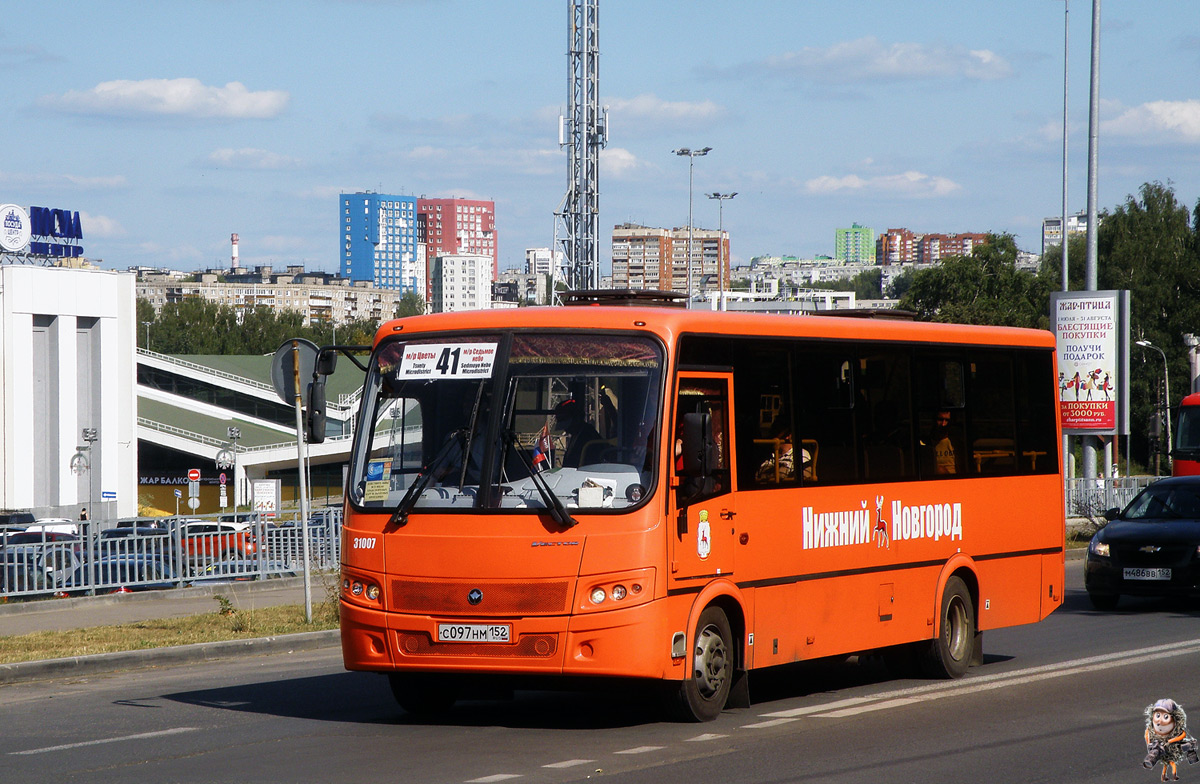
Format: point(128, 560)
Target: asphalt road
point(1061, 701)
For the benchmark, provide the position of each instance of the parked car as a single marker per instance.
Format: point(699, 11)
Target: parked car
point(12, 522)
point(204, 540)
point(39, 559)
point(1151, 548)
point(59, 525)
point(241, 570)
point(128, 541)
point(122, 574)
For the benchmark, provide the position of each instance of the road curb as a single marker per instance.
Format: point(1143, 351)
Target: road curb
point(73, 666)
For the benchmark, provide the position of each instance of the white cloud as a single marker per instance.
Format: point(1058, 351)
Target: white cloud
point(649, 107)
point(870, 60)
point(910, 183)
point(100, 225)
point(620, 163)
point(1158, 121)
point(171, 97)
point(62, 181)
point(252, 158)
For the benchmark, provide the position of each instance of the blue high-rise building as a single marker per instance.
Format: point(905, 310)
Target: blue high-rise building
point(379, 241)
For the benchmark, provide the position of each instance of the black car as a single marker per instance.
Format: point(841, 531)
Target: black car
point(1151, 548)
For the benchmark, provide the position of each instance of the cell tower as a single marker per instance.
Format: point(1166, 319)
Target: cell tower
point(582, 132)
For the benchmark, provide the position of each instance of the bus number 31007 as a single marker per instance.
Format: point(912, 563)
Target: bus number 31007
point(364, 542)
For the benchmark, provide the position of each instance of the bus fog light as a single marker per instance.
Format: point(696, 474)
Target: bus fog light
point(598, 596)
point(356, 589)
point(636, 588)
point(618, 593)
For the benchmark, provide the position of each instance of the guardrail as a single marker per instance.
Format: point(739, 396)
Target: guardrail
point(1092, 497)
point(155, 553)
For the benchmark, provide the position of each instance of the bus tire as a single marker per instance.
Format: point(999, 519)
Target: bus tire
point(949, 654)
point(423, 694)
point(705, 689)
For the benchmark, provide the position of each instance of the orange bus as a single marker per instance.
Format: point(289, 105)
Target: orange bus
point(682, 496)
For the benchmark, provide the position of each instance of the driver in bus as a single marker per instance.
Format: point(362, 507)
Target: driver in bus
point(570, 418)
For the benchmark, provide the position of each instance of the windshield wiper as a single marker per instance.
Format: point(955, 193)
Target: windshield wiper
point(400, 515)
point(552, 502)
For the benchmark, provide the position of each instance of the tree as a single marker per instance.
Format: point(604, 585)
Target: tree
point(1148, 245)
point(983, 288)
point(411, 304)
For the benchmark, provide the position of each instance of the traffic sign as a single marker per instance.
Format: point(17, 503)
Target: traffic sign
point(193, 474)
point(222, 477)
point(193, 504)
point(178, 493)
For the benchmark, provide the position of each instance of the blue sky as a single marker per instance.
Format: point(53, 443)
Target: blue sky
point(171, 125)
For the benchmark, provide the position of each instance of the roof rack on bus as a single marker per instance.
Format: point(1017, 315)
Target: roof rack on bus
point(877, 313)
point(635, 297)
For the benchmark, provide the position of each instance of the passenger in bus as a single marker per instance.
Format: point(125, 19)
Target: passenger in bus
point(569, 417)
point(939, 445)
point(768, 472)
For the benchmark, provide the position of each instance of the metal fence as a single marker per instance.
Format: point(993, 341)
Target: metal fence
point(1090, 498)
point(71, 559)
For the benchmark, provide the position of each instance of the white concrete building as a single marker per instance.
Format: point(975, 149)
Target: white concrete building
point(68, 366)
point(461, 282)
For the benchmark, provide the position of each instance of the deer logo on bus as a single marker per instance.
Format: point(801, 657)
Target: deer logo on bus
point(881, 535)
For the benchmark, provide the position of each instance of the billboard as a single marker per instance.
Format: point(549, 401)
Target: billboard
point(41, 231)
point(1091, 329)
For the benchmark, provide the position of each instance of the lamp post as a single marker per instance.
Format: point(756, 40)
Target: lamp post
point(691, 156)
point(721, 199)
point(146, 324)
point(1167, 402)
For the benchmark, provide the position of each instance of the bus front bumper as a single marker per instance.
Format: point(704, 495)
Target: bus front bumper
point(631, 642)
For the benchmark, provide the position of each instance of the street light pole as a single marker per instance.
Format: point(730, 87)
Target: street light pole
point(147, 325)
point(1167, 402)
point(721, 199)
point(691, 156)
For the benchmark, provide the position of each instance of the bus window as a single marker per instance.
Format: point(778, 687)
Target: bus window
point(993, 413)
point(885, 419)
point(701, 440)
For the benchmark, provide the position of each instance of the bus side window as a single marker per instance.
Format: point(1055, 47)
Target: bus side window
point(701, 439)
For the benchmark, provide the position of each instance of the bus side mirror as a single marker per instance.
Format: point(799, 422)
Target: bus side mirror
point(316, 411)
point(698, 447)
point(326, 362)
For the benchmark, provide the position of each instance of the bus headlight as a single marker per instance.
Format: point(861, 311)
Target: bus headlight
point(615, 591)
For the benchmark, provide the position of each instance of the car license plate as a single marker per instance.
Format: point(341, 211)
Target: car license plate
point(474, 632)
point(1147, 574)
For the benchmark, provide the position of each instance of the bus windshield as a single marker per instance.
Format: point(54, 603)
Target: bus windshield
point(515, 421)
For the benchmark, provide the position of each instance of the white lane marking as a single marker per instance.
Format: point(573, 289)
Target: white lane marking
point(1018, 681)
point(639, 750)
point(842, 708)
point(704, 737)
point(568, 763)
point(139, 736)
point(765, 724)
point(497, 777)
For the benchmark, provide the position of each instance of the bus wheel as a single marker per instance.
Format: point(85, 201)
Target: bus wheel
point(423, 694)
point(1104, 601)
point(949, 654)
point(703, 693)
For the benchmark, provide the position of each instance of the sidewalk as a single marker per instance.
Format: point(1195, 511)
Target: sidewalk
point(18, 618)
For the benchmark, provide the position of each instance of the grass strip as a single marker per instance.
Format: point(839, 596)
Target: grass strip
point(223, 624)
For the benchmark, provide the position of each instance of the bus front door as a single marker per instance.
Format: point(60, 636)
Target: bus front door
point(703, 535)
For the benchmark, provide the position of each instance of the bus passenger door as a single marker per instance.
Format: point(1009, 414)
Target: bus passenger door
point(703, 531)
